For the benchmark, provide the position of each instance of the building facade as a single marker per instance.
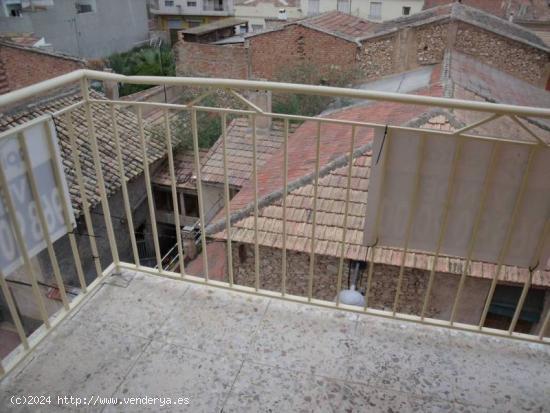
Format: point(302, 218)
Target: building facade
point(172, 15)
point(83, 28)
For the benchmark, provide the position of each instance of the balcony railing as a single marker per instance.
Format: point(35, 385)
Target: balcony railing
point(253, 112)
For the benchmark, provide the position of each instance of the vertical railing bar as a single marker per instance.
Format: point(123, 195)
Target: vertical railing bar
point(42, 219)
point(386, 143)
point(475, 229)
point(369, 276)
point(175, 203)
point(410, 219)
point(21, 245)
point(148, 189)
point(99, 174)
point(85, 206)
point(58, 175)
point(227, 201)
point(529, 280)
point(445, 218)
point(123, 184)
point(508, 237)
point(13, 311)
point(314, 213)
point(255, 184)
point(544, 325)
point(195, 131)
point(285, 194)
point(346, 212)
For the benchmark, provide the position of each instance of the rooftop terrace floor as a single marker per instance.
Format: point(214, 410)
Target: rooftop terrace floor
point(146, 336)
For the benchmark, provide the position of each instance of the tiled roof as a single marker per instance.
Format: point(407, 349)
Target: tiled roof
point(302, 145)
point(184, 169)
point(521, 9)
point(332, 186)
point(341, 24)
point(129, 138)
point(239, 152)
point(465, 14)
point(330, 217)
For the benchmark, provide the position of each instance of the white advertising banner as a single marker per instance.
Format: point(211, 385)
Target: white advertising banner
point(510, 164)
point(13, 165)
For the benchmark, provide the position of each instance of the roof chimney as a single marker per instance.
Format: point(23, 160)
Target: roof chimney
point(282, 14)
point(110, 87)
point(262, 99)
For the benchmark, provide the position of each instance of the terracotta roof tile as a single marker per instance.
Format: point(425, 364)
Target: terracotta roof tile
point(128, 131)
point(239, 152)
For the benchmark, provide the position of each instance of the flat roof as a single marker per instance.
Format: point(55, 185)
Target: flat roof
point(212, 27)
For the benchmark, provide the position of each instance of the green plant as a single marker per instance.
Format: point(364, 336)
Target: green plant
point(209, 125)
point(147, 61)
point(309, 74)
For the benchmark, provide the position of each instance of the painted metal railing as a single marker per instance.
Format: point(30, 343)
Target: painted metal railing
point(234, 86)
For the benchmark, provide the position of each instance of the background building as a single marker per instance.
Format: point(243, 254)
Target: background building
point(84, 28)
point(173, 15)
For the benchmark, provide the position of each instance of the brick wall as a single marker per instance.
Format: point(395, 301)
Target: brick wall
point(25, 67)
point(211, 60)
point(509, 56)
point(273, 53)
point(270, 54)
point(383, 285)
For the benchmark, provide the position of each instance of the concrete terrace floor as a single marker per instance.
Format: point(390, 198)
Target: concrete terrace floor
point(146, 336)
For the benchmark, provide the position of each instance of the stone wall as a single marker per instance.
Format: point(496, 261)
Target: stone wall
point(376, 58)
point(383, 286)
point(275, 52)
point(431, 42)
point(507, 55)
point(228, 61)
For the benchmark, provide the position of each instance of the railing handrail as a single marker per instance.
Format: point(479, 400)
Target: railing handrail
point(496, 108)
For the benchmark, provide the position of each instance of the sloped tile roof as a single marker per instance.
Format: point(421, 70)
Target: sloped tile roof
point(332, 194)
point(129, 138)
point(329, 229)
point(184, 169)
point(239, 152)
point(341, 24)
point(302, 145)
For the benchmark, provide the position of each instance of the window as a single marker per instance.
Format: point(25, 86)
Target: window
point(14, 10)
point(163, 200)
point(194, 23)
point(344, 6)
point(375, 10)
point(191, 204)
point(191, 4)
point(313, 7)
point(257, 28)
point(85, 6)
point(503, 307)
point(406, 10)
point(168, 3)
